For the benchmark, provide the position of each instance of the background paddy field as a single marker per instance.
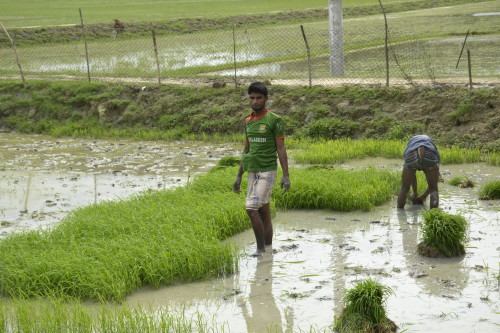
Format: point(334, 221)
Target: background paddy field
point(36, 13)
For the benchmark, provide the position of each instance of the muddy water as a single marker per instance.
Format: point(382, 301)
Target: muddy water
point(42, 179)
point(299, 282)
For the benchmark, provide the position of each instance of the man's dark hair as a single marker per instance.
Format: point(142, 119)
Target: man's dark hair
point(257, 87)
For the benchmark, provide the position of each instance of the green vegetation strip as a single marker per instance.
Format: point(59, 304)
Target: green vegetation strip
point(381, 120)
point(339, 151)
point(105, 251)
point(60, 316)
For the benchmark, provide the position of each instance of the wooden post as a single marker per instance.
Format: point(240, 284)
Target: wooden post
point(156, 56)
point(470, 69)
point(15, 52)
point(234, 54)
point(386, 46)
point(462, 50)
point(85, 40)
point(308, 55)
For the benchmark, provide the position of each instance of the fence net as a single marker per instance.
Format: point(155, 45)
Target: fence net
point(419, 49)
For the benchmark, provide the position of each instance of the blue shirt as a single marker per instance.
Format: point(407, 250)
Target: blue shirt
point(419, 141)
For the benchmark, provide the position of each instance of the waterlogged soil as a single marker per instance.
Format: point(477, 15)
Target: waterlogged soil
point(298, 284)
point(42, 178)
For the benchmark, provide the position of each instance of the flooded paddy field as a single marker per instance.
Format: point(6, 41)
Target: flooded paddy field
point(299, 283)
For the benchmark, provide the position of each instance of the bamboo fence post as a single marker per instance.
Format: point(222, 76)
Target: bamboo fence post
point(462, 50)
point(470, 69)
point(308, 55)
point(386, 45)
point(156, 56)
point(85, 40)
point(234, 54)
point(15, 52)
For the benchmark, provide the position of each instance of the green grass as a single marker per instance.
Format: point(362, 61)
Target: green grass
point(490, 190)
point(35, 13)
point(339, 151)
point(444, 233)
point(56, 315)
point(364, 309)
point(105, 251)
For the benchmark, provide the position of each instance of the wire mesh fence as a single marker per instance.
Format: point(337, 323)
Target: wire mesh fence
point(418, 49)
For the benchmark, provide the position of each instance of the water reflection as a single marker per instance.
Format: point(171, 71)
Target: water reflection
point(261, 312)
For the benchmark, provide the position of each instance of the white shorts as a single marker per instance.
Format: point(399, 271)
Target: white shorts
point(260, 187)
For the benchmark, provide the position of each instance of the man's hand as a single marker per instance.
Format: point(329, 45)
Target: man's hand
point(236, 184)
point(418, 200)
point(285, 183)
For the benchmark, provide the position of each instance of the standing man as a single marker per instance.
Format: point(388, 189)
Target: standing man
point(264, 140)
point(420, 154)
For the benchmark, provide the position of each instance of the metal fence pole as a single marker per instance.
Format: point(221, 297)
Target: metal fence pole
point(85, 40)
point(234, 54)
point(17, 56)
point(386, 46)
point(470, 69)
point(308, 55)
point(156, 56)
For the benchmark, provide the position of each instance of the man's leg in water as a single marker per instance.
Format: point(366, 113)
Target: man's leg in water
point(258, 229)
point(265, 216)
point(407, 178)
point(432, 176)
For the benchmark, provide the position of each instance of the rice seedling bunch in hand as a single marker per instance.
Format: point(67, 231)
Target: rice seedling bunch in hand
point(364, 309)
point(490, 190)
point(443, 234)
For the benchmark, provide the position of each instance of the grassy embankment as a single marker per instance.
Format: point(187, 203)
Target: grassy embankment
point(455, 117)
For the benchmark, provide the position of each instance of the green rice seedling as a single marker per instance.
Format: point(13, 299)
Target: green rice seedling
point(337, 189)
point(339, 151)
point(59, 315)
point(456, 155)
point(229, 161)
point(105, 251)
point(443, 234)
point(493, 158)
point(490, 190)
point(364, 309)
point(462, 182)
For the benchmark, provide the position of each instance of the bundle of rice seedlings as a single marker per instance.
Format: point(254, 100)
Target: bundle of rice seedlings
point(364, 309)
point(443, 235)
point(463, 182)
point(490, 190)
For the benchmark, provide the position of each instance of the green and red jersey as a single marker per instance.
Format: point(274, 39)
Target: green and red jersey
point(262, 131)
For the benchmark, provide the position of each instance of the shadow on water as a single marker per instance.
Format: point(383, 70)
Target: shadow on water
point(316, 255)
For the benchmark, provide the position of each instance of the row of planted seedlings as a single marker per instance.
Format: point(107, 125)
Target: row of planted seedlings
point(105, 251)
point(339, 151)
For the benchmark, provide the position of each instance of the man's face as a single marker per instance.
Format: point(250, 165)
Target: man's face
point(258, 101)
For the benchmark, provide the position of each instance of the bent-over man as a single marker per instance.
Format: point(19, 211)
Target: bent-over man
point(421, 154)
